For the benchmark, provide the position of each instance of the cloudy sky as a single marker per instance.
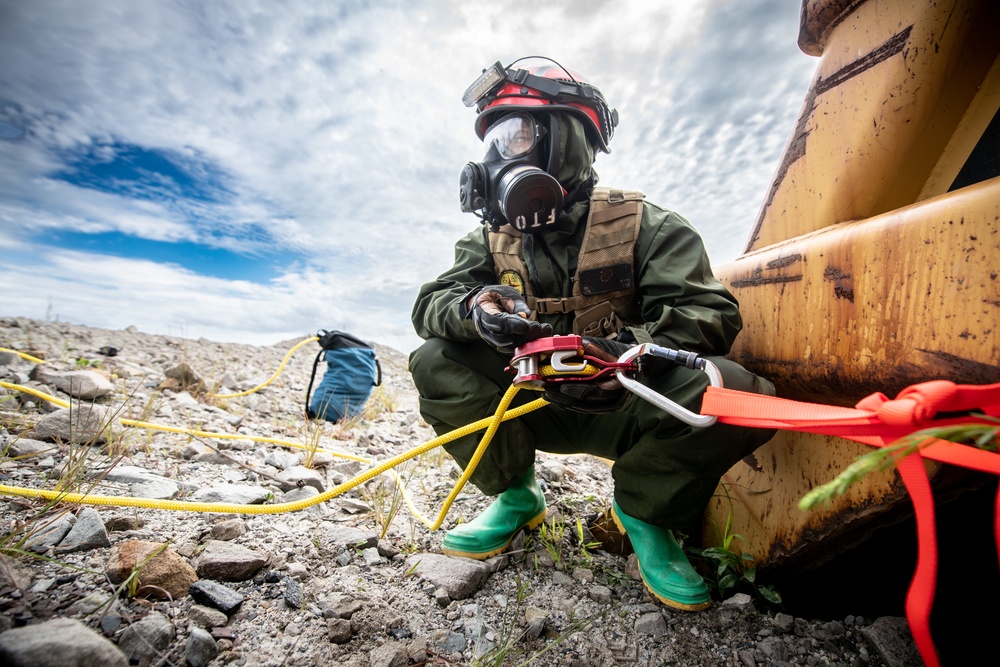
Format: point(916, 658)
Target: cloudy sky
point(254, 170)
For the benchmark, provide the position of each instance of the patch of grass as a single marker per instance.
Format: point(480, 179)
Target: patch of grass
point(610, 576)
point(505, 651)
point(507, 637)
point(313, 432)
point(412, 569)
point(550, 536)
point(583, 544)
point(381, 401)
point(729, 571)
point(83, 456)
point(342, 430)
point(567, 545)
point(384, 497)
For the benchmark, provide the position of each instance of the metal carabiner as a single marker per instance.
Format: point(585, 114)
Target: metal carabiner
point(659, 400)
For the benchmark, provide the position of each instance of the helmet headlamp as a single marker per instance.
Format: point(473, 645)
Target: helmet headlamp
point(487, 81)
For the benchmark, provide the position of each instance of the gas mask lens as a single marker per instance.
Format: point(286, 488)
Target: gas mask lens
point(513, 136)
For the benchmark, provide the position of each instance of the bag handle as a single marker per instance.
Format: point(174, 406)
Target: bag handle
point(309, 413)
point(334, 340)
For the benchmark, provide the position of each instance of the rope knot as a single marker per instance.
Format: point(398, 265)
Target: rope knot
point(915, 406)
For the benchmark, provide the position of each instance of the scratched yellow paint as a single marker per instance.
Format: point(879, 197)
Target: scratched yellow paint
point(863, 272)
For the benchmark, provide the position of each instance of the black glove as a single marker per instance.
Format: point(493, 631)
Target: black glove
point(501, 318)
point(601, 396)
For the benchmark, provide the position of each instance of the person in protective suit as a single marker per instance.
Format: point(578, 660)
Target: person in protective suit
point(558, 255)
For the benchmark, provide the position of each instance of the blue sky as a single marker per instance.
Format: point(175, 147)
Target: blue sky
point(253, 171)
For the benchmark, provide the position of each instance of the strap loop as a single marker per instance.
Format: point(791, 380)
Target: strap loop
point(916, 406)
point(879, 421)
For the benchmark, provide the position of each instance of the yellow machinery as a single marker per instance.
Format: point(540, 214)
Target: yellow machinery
point(874, 262)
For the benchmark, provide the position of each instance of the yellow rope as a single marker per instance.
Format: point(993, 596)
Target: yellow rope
point(491, 423)
point(23, 355)
point(35, 392)
point(494, 424)
point(186, 431)
point(549, 371)
point(273, 377)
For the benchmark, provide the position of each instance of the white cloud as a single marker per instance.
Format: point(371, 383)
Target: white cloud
point(340, 132)
point(113, 292)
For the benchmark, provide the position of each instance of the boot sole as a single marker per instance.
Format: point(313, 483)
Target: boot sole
point(701, 606)
point(483, 555)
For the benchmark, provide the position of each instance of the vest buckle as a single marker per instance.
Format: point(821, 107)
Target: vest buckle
point(547, 306)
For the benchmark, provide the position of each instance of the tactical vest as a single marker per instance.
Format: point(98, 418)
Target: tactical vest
point(604, 297)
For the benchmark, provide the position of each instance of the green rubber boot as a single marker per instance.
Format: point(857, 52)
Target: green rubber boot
point(522, 505)
point(663, 566)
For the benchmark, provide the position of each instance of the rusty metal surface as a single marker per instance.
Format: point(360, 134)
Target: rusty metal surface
point(762, 495)
point(863, 273)
point(854, 309)
point(877, 305)
point(892, 86)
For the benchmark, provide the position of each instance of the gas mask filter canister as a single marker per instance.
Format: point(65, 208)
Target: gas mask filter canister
point(510, 185)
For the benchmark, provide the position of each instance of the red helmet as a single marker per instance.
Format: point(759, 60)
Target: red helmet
point(540, 84)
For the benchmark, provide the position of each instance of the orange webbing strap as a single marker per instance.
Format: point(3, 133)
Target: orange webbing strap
point(920, 596)
point(878, 421)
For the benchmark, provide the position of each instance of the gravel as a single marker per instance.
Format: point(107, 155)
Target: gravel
point(338, 583)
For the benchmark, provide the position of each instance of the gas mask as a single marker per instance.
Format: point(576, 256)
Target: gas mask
point(512, 185)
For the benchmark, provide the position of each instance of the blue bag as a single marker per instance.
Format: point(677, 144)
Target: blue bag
point(352, 369)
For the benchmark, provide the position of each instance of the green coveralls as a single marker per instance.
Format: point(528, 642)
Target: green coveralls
point(665, 471)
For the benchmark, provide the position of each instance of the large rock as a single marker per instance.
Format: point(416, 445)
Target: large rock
point(165, 570)
point(215, 595)
point(146, 639)
point(61, 642)
point(225, 561)
point(892, 641)
point(85, 385)
point(460, 577)
point(49, 531)
point(88, 532)
point(82, 424)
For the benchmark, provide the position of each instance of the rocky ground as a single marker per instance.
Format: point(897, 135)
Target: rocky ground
point(357, 579)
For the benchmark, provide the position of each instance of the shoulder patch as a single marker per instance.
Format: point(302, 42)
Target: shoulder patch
point(512, 278)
